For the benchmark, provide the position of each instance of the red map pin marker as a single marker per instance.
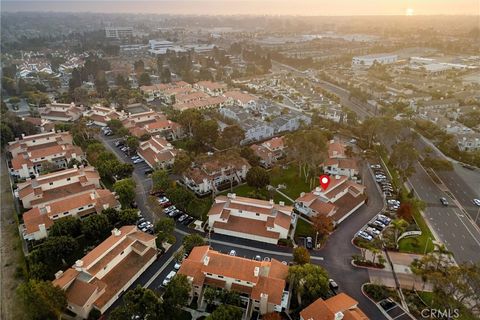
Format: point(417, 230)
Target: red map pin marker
point(324, 181)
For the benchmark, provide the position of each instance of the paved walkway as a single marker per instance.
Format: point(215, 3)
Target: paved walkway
point(195, 313)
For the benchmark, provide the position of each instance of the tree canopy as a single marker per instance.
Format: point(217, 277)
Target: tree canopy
point(41, 300)
point(309, 282)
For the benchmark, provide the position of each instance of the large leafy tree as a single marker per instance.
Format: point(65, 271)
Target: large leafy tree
point(41, 300)
point(308, 148)
point(164, 227)
point(205, 132)
point(177, 292)
point(403, 157)
point(189, 119)
point(323, 225)
point(144, 79)
point(180, 196)
point(226, 312)
point(231, 137)
point(309, 282)
point(160, 180)
point(248, 153)
point(301, 255)
point(68, 226)
point(139, 303)
point(96, 227)
point(182, 162)
point(193, 240)
point(258, 177)
point(125, 190)
point(51, 256)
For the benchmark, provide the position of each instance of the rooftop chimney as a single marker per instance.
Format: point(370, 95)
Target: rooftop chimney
point(256, 271)
point(206, 260)
point(271, 201)
point(116, 232)
point(281, 203)
point(59, 274)
point(78, 265)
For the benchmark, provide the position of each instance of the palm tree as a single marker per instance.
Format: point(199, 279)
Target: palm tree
point(399, 226)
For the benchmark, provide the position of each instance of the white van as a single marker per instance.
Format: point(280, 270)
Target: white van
point(169, 278)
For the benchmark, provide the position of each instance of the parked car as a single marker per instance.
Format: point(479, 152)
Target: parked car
point(258, 258)
point(378, 225)
point(188, 220)
point(169, 278)
point(384, 217)
point(476, 202)
point(135, 157)
point(138, 160)
point(233, 253)
point(147, 172)
point(393, 202)
point(309, 243)
point(332, 284)
point(119, 143)
point(372, 231)
point(175, 214)
point(169, 209)
point(177, 265)
point(182, 217)
point(365, 236)
point(163, 200)
point(444, 201)
point(375, 166)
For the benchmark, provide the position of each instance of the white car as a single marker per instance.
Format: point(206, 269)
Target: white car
point(163, 200)
point(233, 253)
point(177, 265)
point(169, 209)
point(393, 202)
point(139, 160)
point(372, 231)
point(375, 166)
point(365, 236)
point(134, 157)
point(169, 278)
point(384, 217)
point(476, 202)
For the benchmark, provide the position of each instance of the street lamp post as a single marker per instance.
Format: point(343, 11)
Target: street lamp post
point(316, 240)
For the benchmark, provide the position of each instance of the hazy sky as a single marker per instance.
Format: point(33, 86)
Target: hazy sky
point(270, 7)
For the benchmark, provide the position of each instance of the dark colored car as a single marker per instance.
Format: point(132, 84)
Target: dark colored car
point(309, 243)
point(444, 201)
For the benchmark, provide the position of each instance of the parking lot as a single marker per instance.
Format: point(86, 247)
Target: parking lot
point(379, 222)
point(394, 311)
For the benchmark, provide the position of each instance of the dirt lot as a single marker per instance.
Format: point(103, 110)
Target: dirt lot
point(11, 254)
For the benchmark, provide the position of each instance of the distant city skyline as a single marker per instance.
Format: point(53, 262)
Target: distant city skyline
point(257, 7)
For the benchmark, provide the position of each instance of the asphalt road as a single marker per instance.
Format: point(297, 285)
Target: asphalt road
point(335, 256)
point(463, 183)
point(449, 224)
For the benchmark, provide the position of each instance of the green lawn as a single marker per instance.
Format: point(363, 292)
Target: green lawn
point(427, 297)
point(304, 229)
point(245, 190)
point(417, 244)
point(289, 177)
